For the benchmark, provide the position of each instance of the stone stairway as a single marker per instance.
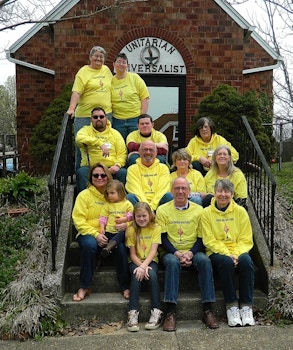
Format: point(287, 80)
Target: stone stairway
point(106, 304)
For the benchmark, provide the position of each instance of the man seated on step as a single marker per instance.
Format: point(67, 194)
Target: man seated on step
point(181, 239)
point(146, 132)
point(99, 142)
point(148, 180)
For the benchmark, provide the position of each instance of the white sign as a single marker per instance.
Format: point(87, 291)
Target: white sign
point(150, 55)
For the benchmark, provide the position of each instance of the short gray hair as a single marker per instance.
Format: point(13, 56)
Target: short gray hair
point(99, 49)
point(224, 184)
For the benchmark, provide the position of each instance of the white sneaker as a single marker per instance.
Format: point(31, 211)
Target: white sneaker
point(132, 323)
point(247, 316)
point(233, 315)
point(155, 319)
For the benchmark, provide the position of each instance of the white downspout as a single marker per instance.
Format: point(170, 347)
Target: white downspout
point(262, 69)
point(28, 65)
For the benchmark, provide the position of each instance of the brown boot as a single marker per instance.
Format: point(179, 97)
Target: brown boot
point(107, 250)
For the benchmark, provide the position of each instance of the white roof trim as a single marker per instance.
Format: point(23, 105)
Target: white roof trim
point(64, 6)
point(246, 26)
point(56, 13)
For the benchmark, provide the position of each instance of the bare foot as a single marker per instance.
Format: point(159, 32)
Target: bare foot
point(81, 294)
point(126, 294)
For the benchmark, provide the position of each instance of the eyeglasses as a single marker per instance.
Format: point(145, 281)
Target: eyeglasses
point(101, 57)
point(121, 62)
point(181, 188)
point(98, 116)
point(102, 176)
point(204, 127)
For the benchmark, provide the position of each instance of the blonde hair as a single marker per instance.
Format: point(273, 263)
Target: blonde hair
point(181, 153)
point(230, 166)
point(117, 186)
point(137, 229)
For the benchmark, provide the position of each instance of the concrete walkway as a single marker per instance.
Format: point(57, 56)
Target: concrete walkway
point(189, 335)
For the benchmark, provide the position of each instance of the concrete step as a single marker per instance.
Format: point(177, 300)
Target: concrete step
point(112, 307)
point(105, 281)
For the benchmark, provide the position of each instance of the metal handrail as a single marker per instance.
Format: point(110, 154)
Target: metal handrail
point(261, 183)
point(62, 168)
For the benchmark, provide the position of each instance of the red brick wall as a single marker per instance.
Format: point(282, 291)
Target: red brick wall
point(211, 44)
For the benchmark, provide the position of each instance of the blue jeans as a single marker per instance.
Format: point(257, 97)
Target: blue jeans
point(120, 255)
point(133, 199)
point(225, 267)
point(153, 285)
point(196, 199)
point(89, 249)
point(82, 177)
point(201, 264)
point(132, 159)
point(125, 126)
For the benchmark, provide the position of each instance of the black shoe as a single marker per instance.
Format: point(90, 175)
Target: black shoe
point(107, 250)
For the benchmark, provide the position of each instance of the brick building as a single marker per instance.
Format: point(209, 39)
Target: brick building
point(194, 46)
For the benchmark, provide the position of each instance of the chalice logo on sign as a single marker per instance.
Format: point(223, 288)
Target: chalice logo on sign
point(150, 55)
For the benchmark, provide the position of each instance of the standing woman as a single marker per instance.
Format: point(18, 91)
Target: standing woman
point(223, 168)
point(183, 168)
point(86, 211)
point(91, 88)
point(201, 147)
point(130, 97)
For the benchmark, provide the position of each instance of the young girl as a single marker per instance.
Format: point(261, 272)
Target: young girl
point(117, 210)
point(143, 238)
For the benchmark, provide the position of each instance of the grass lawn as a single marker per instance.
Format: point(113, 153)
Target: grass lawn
point(284, 180)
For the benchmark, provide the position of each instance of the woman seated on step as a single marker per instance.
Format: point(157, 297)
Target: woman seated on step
point(227, 236)
point(223, 168)
point(86, 212)
point(183, 168)
point(203, 144)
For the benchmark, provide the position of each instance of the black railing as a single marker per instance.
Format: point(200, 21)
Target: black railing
point(260, 180)
point(62, 168)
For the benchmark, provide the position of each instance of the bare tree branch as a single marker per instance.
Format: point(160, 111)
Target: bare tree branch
point(116, 4)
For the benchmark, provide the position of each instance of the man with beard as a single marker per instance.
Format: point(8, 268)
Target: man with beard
point(99, 142)
point(148, 180)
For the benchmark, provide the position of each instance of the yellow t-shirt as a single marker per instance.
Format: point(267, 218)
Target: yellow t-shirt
point(237, 178)
point(94, 87)
point(148, 236)
point(195, 179)
point(149, 184)
point(127, 94)
point(155, 136)
point(89, 141)
point(114, 210)
point(198, 148)
point(182, 226)
point(226, 232)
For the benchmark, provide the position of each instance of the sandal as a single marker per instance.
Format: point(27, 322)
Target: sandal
point(126, 294)
point(81, 294)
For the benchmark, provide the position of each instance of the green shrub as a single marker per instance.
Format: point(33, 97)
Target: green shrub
point(19, 188)
point(45, 135)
